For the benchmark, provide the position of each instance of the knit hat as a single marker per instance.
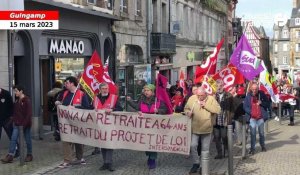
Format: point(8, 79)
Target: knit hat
point(150, 86)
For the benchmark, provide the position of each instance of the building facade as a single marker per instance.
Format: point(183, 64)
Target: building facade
point(131, 37)
point(43, 57)
point(200, 26)
point(281, 46)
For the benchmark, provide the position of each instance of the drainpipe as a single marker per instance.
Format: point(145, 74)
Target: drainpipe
point(10, 36)
point(149, 30)
point(149, 25)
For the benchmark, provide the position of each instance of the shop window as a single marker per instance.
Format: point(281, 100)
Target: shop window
point(65, 67)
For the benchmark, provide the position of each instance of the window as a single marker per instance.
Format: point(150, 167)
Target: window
point(297, 61)
point(284, 60)
point(297, 34)
point(275, 47)
point(124, 6)
point(276, 35)
point(91, 1)
point(285, 34)
point(297, 49)
point(297, 21)
point(284, 47)
point(138, 8)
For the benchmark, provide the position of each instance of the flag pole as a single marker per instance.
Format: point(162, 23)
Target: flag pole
point(74, 94)
point(156, 83)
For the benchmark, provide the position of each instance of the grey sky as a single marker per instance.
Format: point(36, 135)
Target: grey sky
point(264, 12)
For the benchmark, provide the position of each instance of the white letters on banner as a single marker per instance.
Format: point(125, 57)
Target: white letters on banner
point(126, 130)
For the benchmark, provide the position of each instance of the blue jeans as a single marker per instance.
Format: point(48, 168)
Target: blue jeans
point(260, 125)
point(15, 137)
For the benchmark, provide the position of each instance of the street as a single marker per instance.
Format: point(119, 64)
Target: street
point(282, 157)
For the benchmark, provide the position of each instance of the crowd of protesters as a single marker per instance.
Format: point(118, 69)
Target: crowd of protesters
point(210, 115)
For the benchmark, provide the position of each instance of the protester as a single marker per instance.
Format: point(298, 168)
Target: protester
point(22, 115)
point(73, 97)
point(225, 100)
point(239, 113)
point(177, 100)
point(201, 108)
point(108, 102)
point(255, 106)
point(292, 104)
point(149, 105)
point(52, 98)
point(6, 111)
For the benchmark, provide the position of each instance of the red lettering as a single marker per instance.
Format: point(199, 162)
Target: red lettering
point(99, 117)
point(142, 135)
point(112, 134)
point(107, 120)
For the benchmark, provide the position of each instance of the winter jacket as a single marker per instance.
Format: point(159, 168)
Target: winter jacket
point(6, 106)
point(22, 115)
point(162, 109)
point(265, 103)
point(202, 117)
point(227, 108)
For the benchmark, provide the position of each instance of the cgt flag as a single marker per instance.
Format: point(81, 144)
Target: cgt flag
point(161, 93)
point(92, 75)
point(244, 59)
point(230, 76)
point(106, 78)
point(210, 65)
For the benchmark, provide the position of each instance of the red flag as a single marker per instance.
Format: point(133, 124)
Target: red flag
point(284, 97)
point(161, 93)
point(230, 76)
point(210, 65)
point(106, 78)
point(182, 83)
point(92, 75)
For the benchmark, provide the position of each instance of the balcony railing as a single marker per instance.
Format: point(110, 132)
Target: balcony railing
point(163, 43)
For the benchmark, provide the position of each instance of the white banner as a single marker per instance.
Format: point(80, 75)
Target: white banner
point(126, 130)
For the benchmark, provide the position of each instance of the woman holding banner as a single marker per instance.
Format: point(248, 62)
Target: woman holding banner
point(149, 104)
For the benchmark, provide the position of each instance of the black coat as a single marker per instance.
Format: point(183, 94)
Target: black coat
point(6, 106)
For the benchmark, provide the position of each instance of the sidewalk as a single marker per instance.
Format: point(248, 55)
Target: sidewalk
point(283, 152)
point(282, 157)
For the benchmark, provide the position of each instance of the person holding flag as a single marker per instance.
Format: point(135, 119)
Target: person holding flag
point(149, 104)
point(255, 106)
point(74, 98)
point(108, 102)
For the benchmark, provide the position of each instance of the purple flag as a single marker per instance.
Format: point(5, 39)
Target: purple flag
point(244, 59)
point(161, 92)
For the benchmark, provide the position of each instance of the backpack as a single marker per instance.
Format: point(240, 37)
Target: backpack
point(51, 102)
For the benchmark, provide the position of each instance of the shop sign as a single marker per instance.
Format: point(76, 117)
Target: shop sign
point(66, 46)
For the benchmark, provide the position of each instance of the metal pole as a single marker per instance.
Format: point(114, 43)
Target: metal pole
point(279, 112)
point(21, 143)
point(230, 153)
point(244, 138)
point(267, 126)
point(205, 162)
point(10, 34)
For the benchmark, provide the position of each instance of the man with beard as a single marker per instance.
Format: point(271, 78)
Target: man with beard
point(108, 102)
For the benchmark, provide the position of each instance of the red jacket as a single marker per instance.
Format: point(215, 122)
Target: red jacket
point(22, 113)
